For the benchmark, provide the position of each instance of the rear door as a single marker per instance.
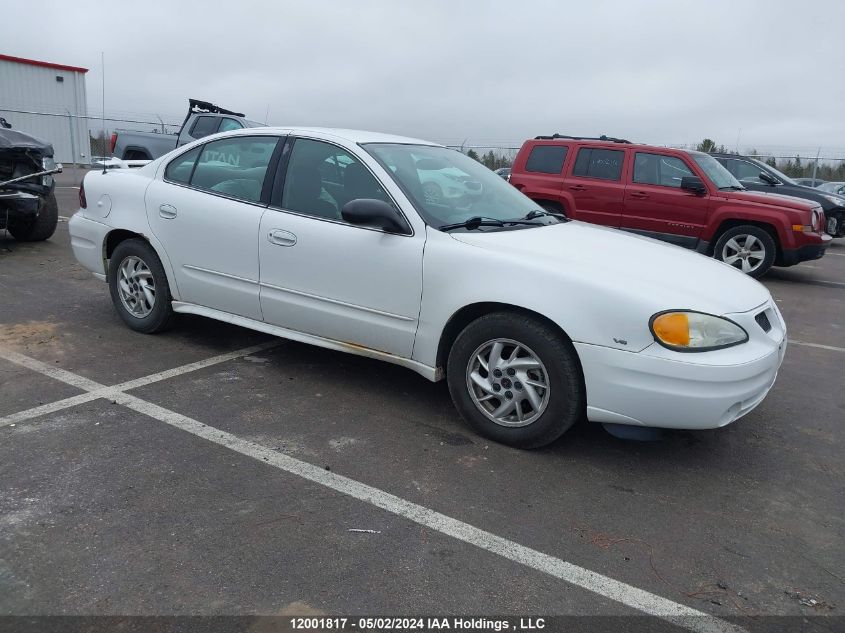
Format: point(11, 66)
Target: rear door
point(541, 177)
point(595, 185)
point(206, 212)
point(655, 204)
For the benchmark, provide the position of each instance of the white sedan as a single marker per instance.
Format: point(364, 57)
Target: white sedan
point(534, 321)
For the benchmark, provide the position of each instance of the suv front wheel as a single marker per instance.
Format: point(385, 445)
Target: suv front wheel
point(747, 248)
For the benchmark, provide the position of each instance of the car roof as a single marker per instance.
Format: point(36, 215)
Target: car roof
point(610, 144)
point(348, 135)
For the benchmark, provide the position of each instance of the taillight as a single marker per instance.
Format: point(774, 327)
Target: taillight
point(83, 203)
point(112, 142)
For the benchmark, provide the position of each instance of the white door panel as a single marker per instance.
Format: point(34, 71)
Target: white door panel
point(339, 281)
point(212, 244)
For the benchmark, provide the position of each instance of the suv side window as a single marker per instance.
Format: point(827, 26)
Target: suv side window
point(546, 159)
point(322, 177)
point(229, 124)
point(180, 169)
point(599, 163)
point(659, 169)
point(745, 171)
point(235, 166)
point(203, 126)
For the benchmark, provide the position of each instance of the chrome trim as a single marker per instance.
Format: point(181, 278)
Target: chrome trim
point(218, 273)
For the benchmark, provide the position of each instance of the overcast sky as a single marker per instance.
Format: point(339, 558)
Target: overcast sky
point(771, 73)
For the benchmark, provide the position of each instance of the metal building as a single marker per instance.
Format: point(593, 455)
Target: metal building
point(48, 101)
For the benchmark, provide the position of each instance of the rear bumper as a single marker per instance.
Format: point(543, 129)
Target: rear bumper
point(86, 239)
point(661, 388)
point(808, 252)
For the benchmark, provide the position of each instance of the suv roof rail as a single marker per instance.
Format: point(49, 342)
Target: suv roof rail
point(609, 139)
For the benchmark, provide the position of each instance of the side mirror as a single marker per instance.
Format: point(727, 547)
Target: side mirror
point(767, 177)
point(693, 184)
point(375, 214)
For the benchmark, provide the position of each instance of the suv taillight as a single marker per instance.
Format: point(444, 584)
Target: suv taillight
point(112, 142)
point(83, 203)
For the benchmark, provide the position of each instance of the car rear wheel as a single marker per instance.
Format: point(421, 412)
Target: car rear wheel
point(41, 227)
point(139, 289)
point(747, 248)
point(515, 380)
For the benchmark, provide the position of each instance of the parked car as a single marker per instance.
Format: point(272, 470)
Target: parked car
point(759, 176)
point(533, 320)
point(833, 187)
point(809, 182)
point(28, 208)
point(503, 172)
point(679, 196)
point(203, 119)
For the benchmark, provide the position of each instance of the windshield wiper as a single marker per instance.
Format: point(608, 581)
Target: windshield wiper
point(477, 221)
point(542, 213)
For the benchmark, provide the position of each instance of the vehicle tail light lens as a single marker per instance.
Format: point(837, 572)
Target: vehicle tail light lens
point(83, 203)
point(112, 142)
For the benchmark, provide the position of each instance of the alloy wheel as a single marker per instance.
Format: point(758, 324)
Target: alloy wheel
point(745, 252)
point(136, 286)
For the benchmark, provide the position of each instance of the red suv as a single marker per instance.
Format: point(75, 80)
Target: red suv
point(683, 197)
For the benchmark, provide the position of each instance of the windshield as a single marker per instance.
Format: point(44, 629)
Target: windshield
point(717, 174)
point(448, 187)
point(833, 187)
point(778, 174)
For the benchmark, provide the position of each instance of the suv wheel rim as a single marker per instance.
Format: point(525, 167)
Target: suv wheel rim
point(508, 382)
point(745, 252)
point(136, 287)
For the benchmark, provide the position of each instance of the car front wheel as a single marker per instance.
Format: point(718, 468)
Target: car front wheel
point(747, 248)
point(515, 380)
point(139, 289)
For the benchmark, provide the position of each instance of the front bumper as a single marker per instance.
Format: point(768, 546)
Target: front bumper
point(808, 252)
point(662, 388)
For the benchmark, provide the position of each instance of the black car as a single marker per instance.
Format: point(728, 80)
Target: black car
point(758, 176)
point(28, 208)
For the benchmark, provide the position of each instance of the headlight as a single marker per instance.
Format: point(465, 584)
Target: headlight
point(686, 331)
point(839, 201)
point(46, 164)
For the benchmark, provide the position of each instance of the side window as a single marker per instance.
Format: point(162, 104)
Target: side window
point(229, 124)
point(235, 166)
point(203, 126)
point(546, 159)
point(599, 163)
point(748, 172)
point(322, 177)
point(658, 169)
point(179, 170)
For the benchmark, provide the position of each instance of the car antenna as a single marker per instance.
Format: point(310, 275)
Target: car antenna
point(103, 73)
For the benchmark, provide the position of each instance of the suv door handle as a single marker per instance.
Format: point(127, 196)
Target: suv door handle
point(639, 194)
point(167, 211)
point(577, 187)
point(281, 238)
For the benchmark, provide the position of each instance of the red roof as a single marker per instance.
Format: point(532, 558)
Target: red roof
point(35, 62)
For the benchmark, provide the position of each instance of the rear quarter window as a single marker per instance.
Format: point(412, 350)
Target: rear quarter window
point(546, 159)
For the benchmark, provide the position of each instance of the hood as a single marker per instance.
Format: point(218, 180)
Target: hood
point(652, 274)
point(14, 140)
point(781, 200)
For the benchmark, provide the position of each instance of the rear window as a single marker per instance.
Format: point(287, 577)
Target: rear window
point(599, 163)
point(546, 159)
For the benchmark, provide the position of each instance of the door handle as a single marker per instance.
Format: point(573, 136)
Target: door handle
point(167, 211)
point(577, 187)
point(639, 194)
point(281, 238)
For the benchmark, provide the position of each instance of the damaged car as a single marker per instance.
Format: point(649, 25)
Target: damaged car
point(28, 208)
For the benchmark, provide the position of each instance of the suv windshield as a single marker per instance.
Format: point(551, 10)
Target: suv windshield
point(448, 187)
point(717, 174)
point(777, 173)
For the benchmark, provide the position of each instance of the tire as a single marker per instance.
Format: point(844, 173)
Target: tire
point(42, 227)
point(131, 288)
point(747, 248)
point(551, 207)
point(559, 405)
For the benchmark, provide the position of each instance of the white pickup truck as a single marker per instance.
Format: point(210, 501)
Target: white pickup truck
point(203, 118)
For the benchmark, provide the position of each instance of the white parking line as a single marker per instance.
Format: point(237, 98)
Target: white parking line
point(836, 254)
point(102, 391)
point(599, 584)
point(818, 345)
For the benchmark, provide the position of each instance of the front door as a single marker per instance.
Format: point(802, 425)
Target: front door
point(206, 212)
point(323, 276)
